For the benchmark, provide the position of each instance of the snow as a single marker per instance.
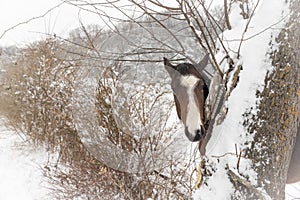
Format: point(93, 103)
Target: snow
point(221, 190)
point(20, 173)
point(231, 134)
point(22, 178)
point(292, 191)
point(255, 66)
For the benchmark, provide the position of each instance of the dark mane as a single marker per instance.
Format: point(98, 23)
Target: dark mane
point(188, 69)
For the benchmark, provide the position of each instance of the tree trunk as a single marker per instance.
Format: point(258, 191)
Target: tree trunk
point(277, 120)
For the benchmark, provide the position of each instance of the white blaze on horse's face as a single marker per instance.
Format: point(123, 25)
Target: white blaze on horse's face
point(190, 93)
point(194, 127)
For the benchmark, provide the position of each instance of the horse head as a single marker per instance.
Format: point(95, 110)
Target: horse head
point(190, 92)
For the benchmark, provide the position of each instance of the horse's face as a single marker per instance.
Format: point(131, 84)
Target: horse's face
point(190, 92)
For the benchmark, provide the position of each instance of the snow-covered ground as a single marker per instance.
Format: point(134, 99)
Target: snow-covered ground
point(21, 176)
point(20, 168)
point(20, 164)
point(292, 191)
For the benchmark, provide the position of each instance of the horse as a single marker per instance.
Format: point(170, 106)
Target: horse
point(190, 93)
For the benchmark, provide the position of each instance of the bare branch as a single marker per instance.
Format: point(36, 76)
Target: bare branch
point(226, 15)
point(29, 20)
point(208, 45)
point(246, 28)
point(258, 33)
point(159, 4)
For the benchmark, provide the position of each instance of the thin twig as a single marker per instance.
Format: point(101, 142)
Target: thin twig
point(225, 154)
point(29, 20)
point(239, 160)
point(258, 33)
point(204, 36)
point(212, 19)
point(246, 28)
point(226, 15)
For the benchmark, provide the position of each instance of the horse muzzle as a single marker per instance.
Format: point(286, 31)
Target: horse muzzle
point(196, 136)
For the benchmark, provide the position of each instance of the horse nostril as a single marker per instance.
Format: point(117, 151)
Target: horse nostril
point(196, 135)
point(200, 133)
point(203, 132)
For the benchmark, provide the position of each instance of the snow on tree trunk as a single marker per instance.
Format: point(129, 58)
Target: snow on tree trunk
point(275, 124)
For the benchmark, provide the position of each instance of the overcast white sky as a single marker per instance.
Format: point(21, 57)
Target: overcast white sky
point(60, 20)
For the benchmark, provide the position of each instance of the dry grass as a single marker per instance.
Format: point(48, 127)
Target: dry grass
point(36, 100)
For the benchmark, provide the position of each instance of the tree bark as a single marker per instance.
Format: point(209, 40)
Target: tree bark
point(277, 120)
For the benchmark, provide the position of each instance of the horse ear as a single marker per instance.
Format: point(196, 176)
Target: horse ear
point(171, 69)
point(167, 63)
point(202, 64)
